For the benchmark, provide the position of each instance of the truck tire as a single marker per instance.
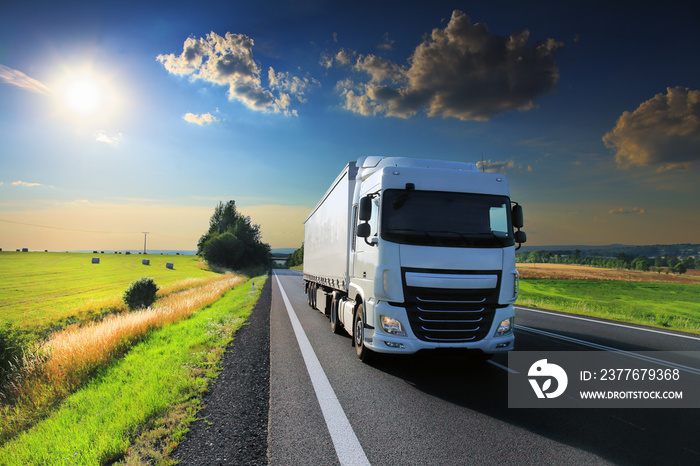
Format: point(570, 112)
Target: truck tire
point(336, 326)
point(358, 336)
point(312, 296)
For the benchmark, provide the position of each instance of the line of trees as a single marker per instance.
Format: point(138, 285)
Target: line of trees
point(295, 258)
point(233, 241)
point(622, 261)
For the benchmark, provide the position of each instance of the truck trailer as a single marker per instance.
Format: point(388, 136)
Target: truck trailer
point(408, 255)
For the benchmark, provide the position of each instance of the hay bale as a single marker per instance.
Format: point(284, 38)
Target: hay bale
point(169, 265)
point(146, 262)
point(25, 249)
point(95, 260)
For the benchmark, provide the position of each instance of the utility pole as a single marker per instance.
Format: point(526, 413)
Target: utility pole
point(144, 240)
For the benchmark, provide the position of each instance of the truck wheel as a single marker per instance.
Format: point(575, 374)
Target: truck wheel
point(336, 326)
point(312, 296)
point(362, 352)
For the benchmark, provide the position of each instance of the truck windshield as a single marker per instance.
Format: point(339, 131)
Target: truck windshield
point(446, 219)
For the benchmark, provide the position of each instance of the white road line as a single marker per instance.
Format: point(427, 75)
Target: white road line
point(501, 366)
point(630, 354)
point(347, 446)
point(607, 323)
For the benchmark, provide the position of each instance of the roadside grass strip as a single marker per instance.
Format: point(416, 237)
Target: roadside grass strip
point(71, 356)
point(672, 306)
point(171, 367)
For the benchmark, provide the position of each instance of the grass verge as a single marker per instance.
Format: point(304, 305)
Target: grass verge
point(665, 305)
point(170, 368)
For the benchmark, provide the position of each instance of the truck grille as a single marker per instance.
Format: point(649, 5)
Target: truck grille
point(450, 315)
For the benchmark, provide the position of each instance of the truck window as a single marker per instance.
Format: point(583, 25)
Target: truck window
point(374, 220)
point(446, 219)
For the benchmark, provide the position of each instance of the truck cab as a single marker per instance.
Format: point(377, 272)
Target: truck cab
point(431, 258)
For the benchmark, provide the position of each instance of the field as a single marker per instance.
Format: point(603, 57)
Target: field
point(40, 289)
point(648, 298)
point(75, 385)
point(583, 272)
point(137, 408)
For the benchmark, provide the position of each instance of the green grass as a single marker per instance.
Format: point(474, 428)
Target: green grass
point(171, 368)
point(665, 305)
point(39, 289)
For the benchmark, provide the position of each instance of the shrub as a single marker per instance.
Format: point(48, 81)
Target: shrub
point(141, 293)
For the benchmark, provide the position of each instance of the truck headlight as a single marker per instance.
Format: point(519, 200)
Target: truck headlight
point(505, 327)
point(392, 326)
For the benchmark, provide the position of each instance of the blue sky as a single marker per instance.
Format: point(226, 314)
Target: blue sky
point(118, 118)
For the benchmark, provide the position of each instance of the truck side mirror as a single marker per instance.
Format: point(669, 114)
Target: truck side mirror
point(518, 221)
point(520, 237)
point(365, 209)
point(364, 230)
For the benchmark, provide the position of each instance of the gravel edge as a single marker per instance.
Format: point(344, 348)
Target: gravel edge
point(232, 426)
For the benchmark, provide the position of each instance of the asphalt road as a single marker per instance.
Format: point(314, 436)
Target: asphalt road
point(327, 407)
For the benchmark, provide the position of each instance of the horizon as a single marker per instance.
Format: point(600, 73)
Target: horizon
point(122, 119)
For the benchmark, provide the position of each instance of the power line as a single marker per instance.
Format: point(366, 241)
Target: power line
point(90, 231)
point(67, 229)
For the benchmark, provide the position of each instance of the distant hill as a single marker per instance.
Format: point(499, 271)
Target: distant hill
point(283, 251)
point(612, 250)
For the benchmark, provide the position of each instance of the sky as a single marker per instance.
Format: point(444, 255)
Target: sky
point(118, 118)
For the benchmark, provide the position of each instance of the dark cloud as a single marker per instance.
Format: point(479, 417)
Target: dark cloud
point(663, 131)
point(462, 71)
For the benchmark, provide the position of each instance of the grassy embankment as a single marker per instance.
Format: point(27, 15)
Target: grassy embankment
point(646, 298)
point(140, 405)
point(68, 362)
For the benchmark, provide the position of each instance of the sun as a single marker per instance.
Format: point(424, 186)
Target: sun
point(83, 96)
point(87, 95)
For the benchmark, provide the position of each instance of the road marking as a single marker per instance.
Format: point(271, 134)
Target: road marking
point(501, 366)
point(346, 444)
point(608, 323)
point(630, 354)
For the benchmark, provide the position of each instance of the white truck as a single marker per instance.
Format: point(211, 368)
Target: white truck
point(408, 254)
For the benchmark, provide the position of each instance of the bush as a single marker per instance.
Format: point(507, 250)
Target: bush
point(141, 293)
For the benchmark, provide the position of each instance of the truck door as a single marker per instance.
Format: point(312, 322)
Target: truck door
point(365, 255)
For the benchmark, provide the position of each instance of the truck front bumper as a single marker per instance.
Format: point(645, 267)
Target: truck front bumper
point(382, 342)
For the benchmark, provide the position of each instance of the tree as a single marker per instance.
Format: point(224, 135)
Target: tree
point(232, 240)
point(296, 258)
point(673, 261)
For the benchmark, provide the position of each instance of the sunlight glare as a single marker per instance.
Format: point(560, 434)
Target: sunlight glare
point(83, 96)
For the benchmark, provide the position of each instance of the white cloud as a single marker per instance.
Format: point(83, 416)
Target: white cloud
point(495, 166)
point(227, 61)
point(462, 71)
point(664, 130)
point(103, 137)
point(21, 80)
point(291, 85)
point(386, 43)
point(25, 184)
point(203, 119)
point(626, 211)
